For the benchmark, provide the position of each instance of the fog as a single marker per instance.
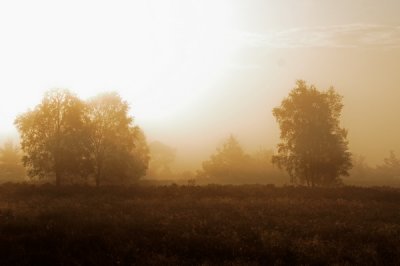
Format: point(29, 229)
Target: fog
point(200, 132)
point(243, 100)
point(194, 86)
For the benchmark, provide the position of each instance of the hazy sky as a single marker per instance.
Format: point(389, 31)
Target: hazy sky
point(196, 71)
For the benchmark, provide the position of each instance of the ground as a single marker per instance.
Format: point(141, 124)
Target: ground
point(198, 225)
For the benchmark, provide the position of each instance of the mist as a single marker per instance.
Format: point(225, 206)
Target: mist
point(243, 101)
point(202, 132)
point(265, 49)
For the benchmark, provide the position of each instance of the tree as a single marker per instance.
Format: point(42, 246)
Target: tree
point(313, 147)
point(140, 153)
point(230, 163)
point(11, 168)
point(9, 153)
point(118, 150)
point(360, 168)
point(53, 137)
point(390, 167)
point(162, 156)
point(261, 165)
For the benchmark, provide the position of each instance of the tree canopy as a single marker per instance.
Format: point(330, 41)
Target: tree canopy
point(228, 162)
point(114, 140)
point(231, 164)
point(313, 147)
point(70, 139)
point(52, 136)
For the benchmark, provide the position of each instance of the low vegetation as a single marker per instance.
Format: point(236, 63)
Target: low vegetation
point(193, 225)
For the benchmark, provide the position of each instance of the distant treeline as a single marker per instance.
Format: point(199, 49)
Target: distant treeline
point(387, 173)
point(11, 167)
point(66, 140)
point(256, 168)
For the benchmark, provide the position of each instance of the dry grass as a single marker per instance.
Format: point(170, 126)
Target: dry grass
point(189, 225)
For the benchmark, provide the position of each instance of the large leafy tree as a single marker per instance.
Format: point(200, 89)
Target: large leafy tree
point(53, 137)
point(313, 147)
point(118, 149)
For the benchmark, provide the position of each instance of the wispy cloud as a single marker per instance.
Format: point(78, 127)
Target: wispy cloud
point(346, 36)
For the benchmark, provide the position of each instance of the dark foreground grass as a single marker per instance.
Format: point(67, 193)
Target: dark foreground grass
point(211, 225)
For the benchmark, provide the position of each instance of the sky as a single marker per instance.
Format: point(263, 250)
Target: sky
point(195, 72)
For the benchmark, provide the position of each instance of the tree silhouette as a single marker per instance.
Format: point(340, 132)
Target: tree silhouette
point(140, 153)
point(313, 148)
point(391, 166)
point(115, 143)
point(9, 153)
point(229, 163)
point(162, 156)
point(53, 136)
point(11, 168)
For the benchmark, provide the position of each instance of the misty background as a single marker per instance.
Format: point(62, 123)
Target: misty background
point(197, 71)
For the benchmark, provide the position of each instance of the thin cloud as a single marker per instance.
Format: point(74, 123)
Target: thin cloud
point(339, 36)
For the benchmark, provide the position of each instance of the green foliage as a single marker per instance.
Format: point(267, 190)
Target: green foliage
point(313, 148)
point(193, 225)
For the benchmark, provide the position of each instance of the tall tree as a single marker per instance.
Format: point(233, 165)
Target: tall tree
point(313, 147)
point(53, 136)
point(118, 149)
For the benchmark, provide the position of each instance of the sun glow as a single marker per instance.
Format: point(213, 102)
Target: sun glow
point(190, 47)
point(161, 55)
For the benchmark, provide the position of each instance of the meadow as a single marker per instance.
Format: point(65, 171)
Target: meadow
point(198, 225)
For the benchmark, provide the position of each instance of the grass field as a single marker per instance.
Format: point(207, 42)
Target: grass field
point(193, 225)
